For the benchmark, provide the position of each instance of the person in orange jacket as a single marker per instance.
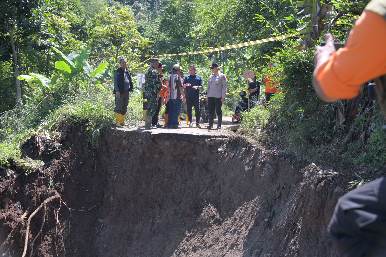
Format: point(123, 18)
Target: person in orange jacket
point(340, 74)
point(155, 117)
point(358, 224)
point(271, 87)
point(164, 94)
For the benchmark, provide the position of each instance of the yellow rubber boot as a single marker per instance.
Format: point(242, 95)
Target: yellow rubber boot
point(122, 120)
point(117, 118)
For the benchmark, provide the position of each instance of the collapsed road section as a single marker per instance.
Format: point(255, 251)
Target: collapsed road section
point(169, 193)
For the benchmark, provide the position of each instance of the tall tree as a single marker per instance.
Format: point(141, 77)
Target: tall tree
point(114, 32)
point(175, 26)
point(15, 24)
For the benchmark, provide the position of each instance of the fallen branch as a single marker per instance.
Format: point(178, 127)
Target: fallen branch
point(43, 204)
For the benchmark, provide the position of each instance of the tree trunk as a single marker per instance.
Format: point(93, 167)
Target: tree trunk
point(117, 53)
point(15, 65)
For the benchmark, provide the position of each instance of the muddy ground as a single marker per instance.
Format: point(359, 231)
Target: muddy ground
point(134, 193)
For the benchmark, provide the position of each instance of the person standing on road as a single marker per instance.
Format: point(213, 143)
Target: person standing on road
point(155, 117)
point(151, 92)
point(123, 85)
point(358, 224)
point(217, 89)
point(175, 95)
point(164, 95)
point(193, 84)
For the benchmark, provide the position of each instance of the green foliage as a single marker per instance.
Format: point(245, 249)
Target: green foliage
point(63, 66)
point(35, 78)
point(94, 113)
point(254, 121)
point(298, 118)
point(369, 151)
point(61, 87)
point(343, 13)
point(98, 72)
point(76, 64)
point(134, 111)
point(10, 146)
point(7, 88)
point(375, 153)
point(93, 7)
point(62, 24)
point(176, 22)
point(8, 150)
point(76, 97)
point(76, 87)
point(115, 33)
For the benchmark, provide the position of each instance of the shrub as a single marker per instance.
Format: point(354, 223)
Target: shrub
point(254, 120)
point(135, 111)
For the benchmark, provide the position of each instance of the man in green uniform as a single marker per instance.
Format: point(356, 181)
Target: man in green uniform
point(151, 91)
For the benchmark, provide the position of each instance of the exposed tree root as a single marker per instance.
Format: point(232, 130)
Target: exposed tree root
point(42, 205)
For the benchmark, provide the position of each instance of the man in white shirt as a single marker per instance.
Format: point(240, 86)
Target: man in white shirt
point(217, 89)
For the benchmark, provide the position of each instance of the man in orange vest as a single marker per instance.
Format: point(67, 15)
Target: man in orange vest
point(359, 221)
point(270, 86)
point(164, 95)
point(155, 117)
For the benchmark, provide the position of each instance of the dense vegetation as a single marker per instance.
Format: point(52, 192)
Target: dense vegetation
point(66, 52)
point(69, 49)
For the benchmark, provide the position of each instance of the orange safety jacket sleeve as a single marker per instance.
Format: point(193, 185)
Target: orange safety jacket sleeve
point(270, 86)
point(362, 59)
point(164, 92)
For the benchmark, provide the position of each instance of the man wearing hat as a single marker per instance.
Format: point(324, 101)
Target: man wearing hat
point(155, 117)
point(175, 95)
point(151, 91)
point(217, 89)
point(123, 84)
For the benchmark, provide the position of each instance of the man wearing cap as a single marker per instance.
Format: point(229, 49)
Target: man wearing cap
point(155, 117)
point(175, 95)
point(193, 84)
point(217, 89)
point(151, 92)
point(123, 84)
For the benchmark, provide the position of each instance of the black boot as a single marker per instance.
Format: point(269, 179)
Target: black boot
point(210, 125)
point(219, 122)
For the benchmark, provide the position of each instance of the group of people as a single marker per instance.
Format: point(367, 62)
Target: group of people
point(176, 89)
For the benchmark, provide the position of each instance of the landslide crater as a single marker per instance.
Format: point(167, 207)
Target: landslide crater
point(154, 195)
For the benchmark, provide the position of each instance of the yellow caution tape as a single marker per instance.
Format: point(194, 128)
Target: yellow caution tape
point(230, 47)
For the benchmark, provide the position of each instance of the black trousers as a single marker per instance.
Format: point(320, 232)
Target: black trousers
point(358, 224)
point(214, 106)
point(190, 103)
point(155, 117)
point(121, 103)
